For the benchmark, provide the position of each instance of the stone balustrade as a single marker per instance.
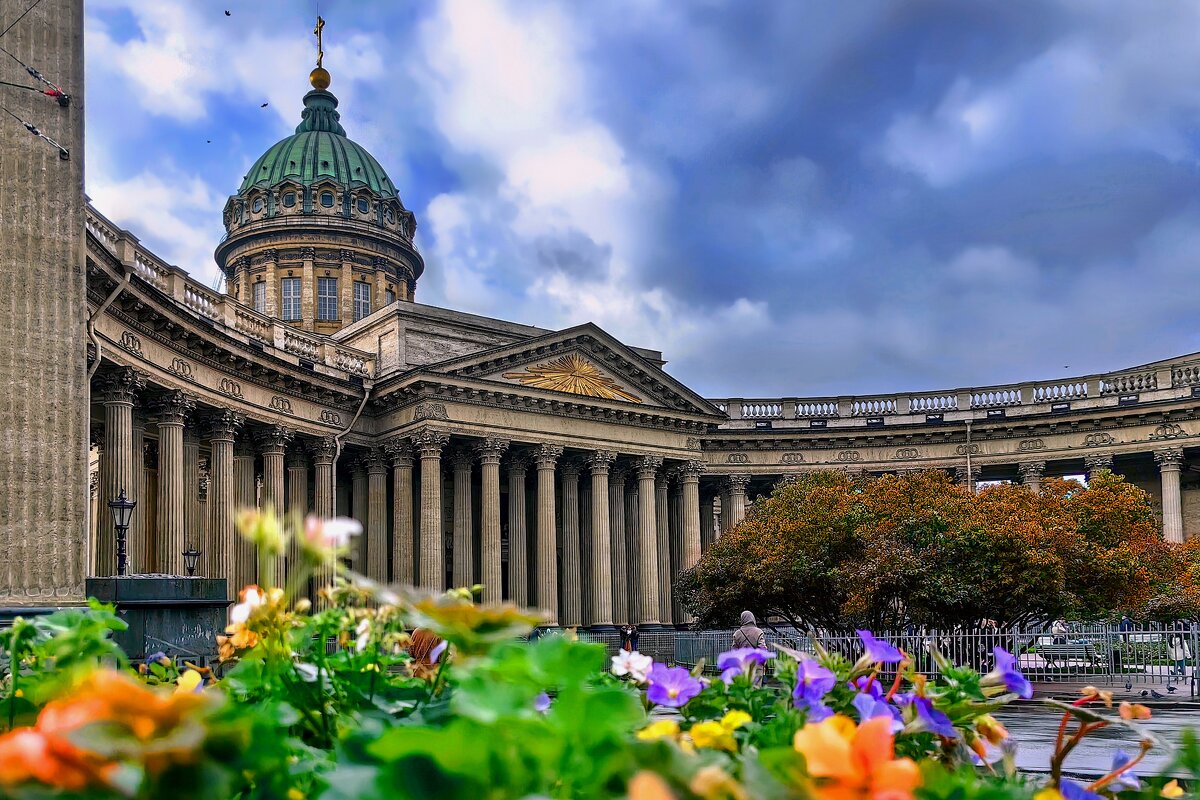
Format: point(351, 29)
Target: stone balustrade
point(222, 309)
point(1154, 383)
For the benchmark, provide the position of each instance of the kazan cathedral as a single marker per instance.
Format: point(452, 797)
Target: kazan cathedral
point(562, 469)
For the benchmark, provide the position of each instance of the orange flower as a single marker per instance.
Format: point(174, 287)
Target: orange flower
point(44, 753)
point(851, 762)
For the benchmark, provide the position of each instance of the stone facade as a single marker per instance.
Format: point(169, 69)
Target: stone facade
point(562, 469)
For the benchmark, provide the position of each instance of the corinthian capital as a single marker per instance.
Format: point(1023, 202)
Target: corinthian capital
point(273, 439)
point(430, 441)
point(174, 407)
point(1170, 458)
point(490, 450)
point(122, 385)
point(737, 483)
point(400, 449)
point(547, 455)
point(648, 466)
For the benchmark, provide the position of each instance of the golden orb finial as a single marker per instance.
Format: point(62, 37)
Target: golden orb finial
point(319, 77)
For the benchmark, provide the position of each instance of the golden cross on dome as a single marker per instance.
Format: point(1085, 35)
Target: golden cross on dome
point(317, 30)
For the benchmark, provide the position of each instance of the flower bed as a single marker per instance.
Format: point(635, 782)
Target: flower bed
point(384, 694)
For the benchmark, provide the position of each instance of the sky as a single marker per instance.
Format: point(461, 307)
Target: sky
point(786, 198)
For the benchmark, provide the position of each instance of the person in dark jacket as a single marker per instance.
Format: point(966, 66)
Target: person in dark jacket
point(749, 635)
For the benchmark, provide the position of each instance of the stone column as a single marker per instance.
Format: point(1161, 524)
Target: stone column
point(270, 262)
point(147, 549)
point(462, 560)
point(379, 290)
point(647, 470)
point(118, 389)
point(429, 443)
point(518, 538)
point(602, 590)
point(221, 555)
point(297, 499)
point(619, 553)
point(691, 518)
point(662, 538)
point(145, 516)
point(546, 556)
point(346, 289)
point(377, 514)
point(572, 598)
point(359, 488)
point(403, 567)
point(633, 549)
point(322, 452)
point(308, 288)
point(1170, 462)
point(202, 535)
point(586, 614)
point(737, 498)
point(193, 519)
point(1097, 462)
point(708, 527)
point(1031, 473)
point(245, 498)
point(675, 531)
point(273, 443)
point(490, 451)
point(172, 411)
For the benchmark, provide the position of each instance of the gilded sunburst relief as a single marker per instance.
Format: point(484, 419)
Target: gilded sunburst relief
point(575, 375)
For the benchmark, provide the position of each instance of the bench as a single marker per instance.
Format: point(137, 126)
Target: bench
point(1062, 654)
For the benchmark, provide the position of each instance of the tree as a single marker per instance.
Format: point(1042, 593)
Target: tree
point(836, 552)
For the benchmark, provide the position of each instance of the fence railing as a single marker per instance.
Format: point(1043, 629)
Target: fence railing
point(1159, 661)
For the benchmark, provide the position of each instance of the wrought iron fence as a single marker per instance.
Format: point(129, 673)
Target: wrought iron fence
point(1161, 661)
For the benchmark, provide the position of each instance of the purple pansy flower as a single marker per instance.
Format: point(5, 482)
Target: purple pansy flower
point(867, 685)
point(1007, 673)
point(879, 651)
point(813, 682)
point(933, 720)
point(1126, 780)
point(741, 662)
point(435, 654)
point(869, 707)
point(816, 712)
point(672, 686)
point(1073, 791)
point(541, 703)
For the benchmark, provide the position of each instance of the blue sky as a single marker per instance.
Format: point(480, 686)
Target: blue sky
point(792, 198)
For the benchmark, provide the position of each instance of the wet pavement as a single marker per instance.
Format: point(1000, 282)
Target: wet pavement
point(1035, 727)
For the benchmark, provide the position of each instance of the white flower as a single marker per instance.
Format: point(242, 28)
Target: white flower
point(364, 634)
point(633, 664)
point(332, 533)
point(252, 598)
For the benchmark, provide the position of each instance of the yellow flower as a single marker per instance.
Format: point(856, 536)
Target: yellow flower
point(734, 720)
point(662, 729)
point(1172, 789)
point(1048, 794)
point(295, 794)
point(990, 728)
point(189, 681)
point(712, 735)
point(1097, 694)
point(714, 783)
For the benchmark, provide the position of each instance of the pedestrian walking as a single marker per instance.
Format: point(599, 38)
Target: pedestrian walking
point(749, 635)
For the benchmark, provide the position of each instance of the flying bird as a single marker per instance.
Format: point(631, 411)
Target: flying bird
point(264, 105)
point(228, 14)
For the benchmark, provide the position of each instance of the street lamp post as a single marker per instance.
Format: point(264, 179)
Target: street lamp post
point(191, 557)
point(122, 513)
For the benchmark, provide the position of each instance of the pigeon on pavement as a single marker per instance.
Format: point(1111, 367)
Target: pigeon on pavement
point(1157, 695)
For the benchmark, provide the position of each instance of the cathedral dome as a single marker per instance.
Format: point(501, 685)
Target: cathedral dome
point(317, 152)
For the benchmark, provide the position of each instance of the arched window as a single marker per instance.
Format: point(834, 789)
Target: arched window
point(258, 205)
point(289, 199)
point(327, 199)
point(363, 205)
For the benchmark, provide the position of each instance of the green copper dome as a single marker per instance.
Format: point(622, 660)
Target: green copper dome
point(319, 151)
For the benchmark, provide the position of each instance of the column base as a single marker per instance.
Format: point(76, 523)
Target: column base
point(601, 628)
point(684, 626)
point(655, 627)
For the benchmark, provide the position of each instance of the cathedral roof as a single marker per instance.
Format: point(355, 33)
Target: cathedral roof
point(319, 150)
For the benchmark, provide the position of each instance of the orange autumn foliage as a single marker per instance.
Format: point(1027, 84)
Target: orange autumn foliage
point(837, 552)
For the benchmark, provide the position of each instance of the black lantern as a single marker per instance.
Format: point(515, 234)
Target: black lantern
point(122, 513)
point(191, 557)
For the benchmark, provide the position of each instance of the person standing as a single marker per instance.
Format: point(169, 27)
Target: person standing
point(1179, 652)
point(1059, 630)
point(749, 635)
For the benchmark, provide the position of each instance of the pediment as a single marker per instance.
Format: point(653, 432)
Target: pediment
point(584, 362)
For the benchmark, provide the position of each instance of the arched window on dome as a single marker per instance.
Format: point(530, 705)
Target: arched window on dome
point(257, 205)
point(289, 198)
point(364, 205)
point(326, 199)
